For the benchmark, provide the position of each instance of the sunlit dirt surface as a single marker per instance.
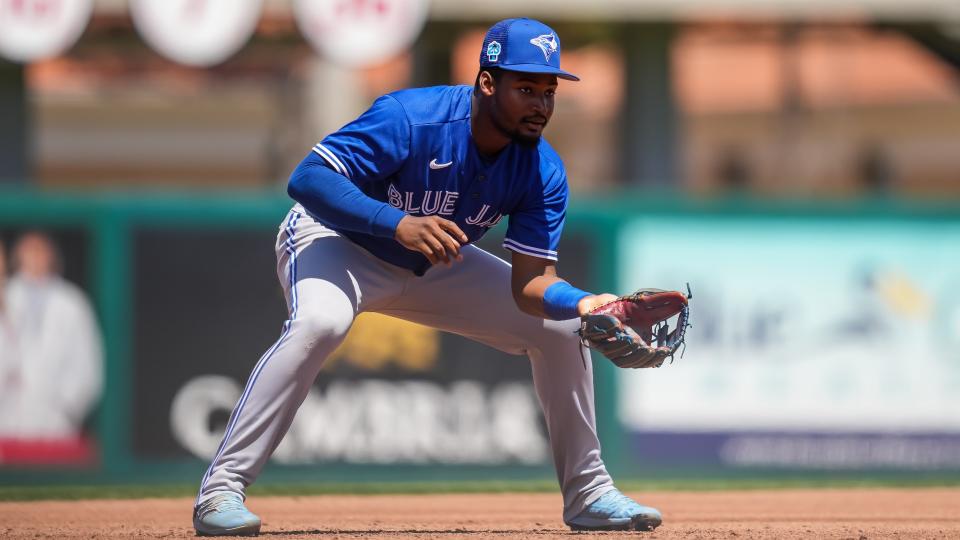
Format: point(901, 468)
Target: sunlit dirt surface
point(816, 513)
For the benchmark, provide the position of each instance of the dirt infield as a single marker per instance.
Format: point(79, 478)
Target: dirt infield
point(827, 513)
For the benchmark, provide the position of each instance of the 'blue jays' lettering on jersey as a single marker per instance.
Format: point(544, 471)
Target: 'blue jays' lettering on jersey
point(414, 150)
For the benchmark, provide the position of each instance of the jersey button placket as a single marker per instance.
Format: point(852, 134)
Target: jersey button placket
point(480, 178)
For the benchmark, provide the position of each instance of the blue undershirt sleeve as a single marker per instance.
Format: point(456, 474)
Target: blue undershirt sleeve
point(338, 202)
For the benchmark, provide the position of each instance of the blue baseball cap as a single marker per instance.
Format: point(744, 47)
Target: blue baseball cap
point(523, 45)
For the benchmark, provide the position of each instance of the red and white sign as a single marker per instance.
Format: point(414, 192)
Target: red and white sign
point(196, 32)
point(36, 29)
point(359, 33)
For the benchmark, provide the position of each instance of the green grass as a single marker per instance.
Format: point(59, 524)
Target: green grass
point(721, 484)
point(76, 492)
point(70, 492)
point(121, 491)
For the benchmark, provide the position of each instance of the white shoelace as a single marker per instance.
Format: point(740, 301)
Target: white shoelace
point(225, 502)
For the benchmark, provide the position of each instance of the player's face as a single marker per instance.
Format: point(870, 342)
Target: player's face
point(524, 105)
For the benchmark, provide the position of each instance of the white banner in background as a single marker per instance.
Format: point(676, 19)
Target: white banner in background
point(37, 29)
point(381, 421)
point(801, 324)
point(358, 33)
point(196, 32)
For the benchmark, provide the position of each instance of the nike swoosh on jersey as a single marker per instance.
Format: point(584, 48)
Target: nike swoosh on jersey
point(434, 165)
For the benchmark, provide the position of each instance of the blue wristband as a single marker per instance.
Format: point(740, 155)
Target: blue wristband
point(560, 301)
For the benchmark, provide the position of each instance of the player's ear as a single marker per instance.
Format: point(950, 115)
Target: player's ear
point(487, 84)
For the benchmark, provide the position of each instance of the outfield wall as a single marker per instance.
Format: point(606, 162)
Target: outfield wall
point(825, 337)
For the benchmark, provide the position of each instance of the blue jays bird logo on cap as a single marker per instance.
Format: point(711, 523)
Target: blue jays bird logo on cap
point(547, 44)
point(493, 51)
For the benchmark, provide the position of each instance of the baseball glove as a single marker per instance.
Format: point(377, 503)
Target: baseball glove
point(633, 331)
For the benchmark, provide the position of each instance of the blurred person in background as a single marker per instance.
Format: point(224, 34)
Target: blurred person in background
point(56, 379)
point(8, 343)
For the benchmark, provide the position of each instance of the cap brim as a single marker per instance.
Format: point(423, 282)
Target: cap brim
point(540, 68)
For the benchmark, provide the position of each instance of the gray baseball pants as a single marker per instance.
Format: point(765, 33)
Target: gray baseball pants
point(328, 280)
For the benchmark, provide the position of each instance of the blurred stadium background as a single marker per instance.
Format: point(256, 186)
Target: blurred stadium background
point(797, 162)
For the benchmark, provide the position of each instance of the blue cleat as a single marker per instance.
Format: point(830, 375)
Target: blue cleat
point(614, 511)
point(225, 515)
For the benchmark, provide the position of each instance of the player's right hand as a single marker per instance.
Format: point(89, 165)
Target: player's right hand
point(438, 239)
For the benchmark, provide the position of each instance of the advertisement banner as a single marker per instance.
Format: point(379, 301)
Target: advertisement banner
point(360, 33)
point(393, 393)
point(32, 30)
point(199, 33)
point(827, 343)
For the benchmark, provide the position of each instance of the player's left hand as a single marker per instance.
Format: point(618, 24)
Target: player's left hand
point(589, 303)
point(632, 330)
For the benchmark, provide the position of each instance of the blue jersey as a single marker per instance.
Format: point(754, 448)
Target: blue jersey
point(413, 149)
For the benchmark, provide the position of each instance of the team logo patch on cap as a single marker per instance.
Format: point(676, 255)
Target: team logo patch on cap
point(547, 44)
point(493, 51)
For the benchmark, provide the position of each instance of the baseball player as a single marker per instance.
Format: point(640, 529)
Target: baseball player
point(387, 210)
